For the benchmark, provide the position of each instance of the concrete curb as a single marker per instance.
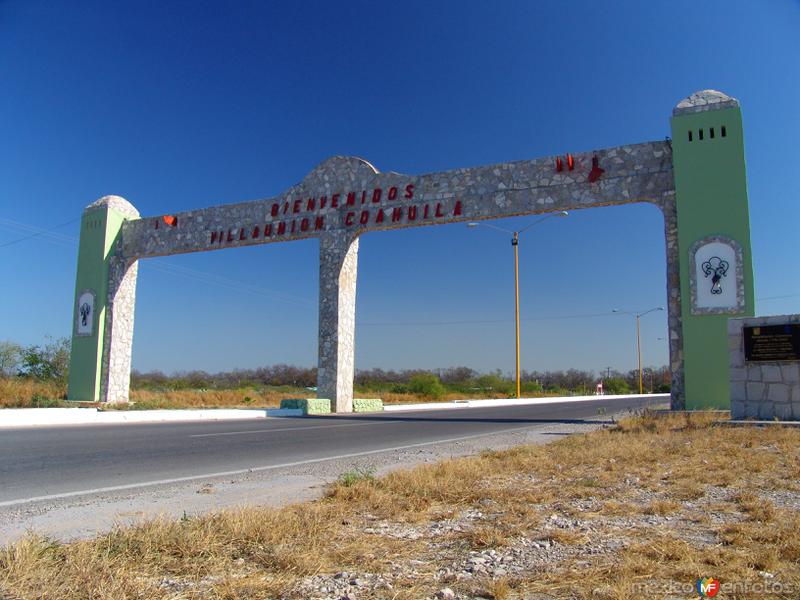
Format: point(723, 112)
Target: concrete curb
point(37, 417)
point(513, 402)
point(34, 417)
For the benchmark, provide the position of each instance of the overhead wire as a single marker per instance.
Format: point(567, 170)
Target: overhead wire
point(50, 235)
point(167, 267)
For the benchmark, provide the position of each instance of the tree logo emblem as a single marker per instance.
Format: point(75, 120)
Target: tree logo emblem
point(86, 310)
point(716, 268)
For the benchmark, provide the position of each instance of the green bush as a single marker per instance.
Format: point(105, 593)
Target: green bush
point(495, 383)
point(48, 362)
point(616, 385)
point(358, 474)
point(426, 384)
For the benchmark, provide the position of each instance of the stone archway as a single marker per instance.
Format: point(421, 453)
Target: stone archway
point(345, 197)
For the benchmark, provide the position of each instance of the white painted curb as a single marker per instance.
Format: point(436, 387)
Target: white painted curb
point(35, 417)
point(32, 417)
point(515, 402)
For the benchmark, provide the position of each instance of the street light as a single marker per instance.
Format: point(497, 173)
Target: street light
point(515, 243)
point(638, 339)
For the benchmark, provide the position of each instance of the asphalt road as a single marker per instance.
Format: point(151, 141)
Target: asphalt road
point(50, 463)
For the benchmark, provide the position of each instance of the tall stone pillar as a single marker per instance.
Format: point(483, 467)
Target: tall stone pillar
point(716, 271)
point(115, 376)
point(338, 266)
point(105, 288)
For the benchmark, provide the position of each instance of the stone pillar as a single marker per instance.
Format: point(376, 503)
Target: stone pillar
point(713, 240)
point(103, 310)
point(674, 318)
point(338, 266)
point(118, 335)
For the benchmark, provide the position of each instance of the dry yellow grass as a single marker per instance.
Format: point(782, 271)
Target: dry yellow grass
point(629, 482)
point(235, 398)
point(28, 393)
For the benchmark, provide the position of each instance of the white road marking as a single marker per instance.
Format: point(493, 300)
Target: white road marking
point(131, 486)
point(200, 435)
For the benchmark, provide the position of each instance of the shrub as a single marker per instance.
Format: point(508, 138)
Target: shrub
point(616, 385)
point(496, 383)
point(426, 384)
point(48, 362)
point(10, 357)
point(350, 478)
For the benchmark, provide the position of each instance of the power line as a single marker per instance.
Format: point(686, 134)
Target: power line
point(163, 266)
point(239, 286)
point(777, 297)
point(36, 231)
point(481, 322)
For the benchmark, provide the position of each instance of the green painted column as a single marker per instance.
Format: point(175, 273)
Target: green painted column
point(95, 290)
point(716, 273)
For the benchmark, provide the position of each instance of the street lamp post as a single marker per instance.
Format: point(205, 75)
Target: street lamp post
point(515, 243)
point(638, 316)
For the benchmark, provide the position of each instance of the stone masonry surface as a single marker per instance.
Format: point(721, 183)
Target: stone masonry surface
point(367, 405)
point(367, 200)
point(634, 173)
point(738, 277)
point(703, 101)
point(309, 406)
point(120, 302)
point(762, 390)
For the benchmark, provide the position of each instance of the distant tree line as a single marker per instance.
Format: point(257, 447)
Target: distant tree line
point(436, 382)
point(46, 362)
point(50, 362)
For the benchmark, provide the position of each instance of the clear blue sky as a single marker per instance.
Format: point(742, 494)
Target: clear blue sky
point(180, 105)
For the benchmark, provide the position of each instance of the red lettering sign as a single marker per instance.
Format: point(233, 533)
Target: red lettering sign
point(311, 204)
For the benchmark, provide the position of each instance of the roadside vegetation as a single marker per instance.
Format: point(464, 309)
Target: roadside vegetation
point(36, 376)
point(638, 509)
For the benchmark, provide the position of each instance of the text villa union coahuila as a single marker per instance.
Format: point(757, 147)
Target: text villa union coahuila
point(302, 215)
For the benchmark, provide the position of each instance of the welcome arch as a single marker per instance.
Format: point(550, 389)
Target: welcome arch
point(697, 179)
